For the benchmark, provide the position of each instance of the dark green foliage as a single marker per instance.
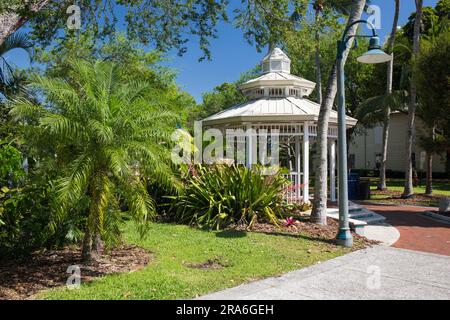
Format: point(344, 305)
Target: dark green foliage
point(222, 97)
point(109, 88)
point(430, 17)
point(432, 76)
point(10, 164)
point(163, 24)
point(24, 217)
point(218, 196)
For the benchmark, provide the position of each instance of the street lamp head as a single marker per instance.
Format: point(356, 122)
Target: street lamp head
point(374, 54)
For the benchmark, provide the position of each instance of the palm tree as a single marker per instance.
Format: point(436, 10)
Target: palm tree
point(108, 139)
point(387, 111)
point(319, 212)
point(431, 76)
point(373, 110)
point(318, 8)
point(408, 189)
point(9, 80)
point(341, 6)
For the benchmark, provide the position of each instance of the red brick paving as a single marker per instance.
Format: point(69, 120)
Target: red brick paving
point(416, 232)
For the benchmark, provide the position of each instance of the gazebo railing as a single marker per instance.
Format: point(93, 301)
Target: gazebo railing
point(293, 192)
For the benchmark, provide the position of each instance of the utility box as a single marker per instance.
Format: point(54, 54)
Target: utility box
point(353, 182)
point(364, 189)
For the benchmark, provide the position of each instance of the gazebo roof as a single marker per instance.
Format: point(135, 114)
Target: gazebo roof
point(276, 96)
point(282, 109)
point(279, 79)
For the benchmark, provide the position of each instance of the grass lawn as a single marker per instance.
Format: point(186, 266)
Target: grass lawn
point(246, 255)
point(441, 188)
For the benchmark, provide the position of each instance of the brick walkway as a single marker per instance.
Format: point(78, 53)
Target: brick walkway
point(416, 232)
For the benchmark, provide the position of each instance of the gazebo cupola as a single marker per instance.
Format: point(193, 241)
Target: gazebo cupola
point(276, 79)
point(276, 61)
point(277, 102)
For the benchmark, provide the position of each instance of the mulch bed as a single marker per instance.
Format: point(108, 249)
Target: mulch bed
point(302, 226)
point(395, 197)
point(21, 279)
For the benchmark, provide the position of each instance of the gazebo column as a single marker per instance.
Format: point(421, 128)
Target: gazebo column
point(251, 146)
point(298, 166)
point(333, 170)
point(306, 162)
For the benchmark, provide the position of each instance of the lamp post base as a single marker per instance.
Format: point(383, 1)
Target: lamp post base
point(344, 238)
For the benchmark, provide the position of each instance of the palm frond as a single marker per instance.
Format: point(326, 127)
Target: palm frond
point(62, 127)
point(372, 110)
point(13, 41)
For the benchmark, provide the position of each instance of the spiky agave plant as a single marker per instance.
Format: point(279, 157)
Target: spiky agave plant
point(106, 137)
point(221, 195)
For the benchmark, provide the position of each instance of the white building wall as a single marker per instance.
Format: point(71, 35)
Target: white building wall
point(366, 144)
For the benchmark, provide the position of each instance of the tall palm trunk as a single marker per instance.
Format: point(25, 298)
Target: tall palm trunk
point(13, 19)
point(387, 115)
point(319, 212)
point(86, 250)
point(408, 189)
point(429, 182)
point(318, 7)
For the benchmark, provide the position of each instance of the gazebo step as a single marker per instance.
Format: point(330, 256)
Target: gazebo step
point(359, 217)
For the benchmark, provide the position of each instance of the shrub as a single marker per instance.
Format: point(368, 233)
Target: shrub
point(10, 164)
point(24, 216)
point(218, 196)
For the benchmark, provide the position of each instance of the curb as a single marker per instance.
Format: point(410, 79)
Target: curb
point(436, 217)
point(374, 203)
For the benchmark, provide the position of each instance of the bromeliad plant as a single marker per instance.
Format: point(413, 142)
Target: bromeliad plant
point(107, 140)
point(221, 195)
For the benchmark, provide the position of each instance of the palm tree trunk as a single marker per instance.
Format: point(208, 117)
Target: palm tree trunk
point(447, 163)
point(318, 67)
point(387, 115)
point(319, 212)
point(429, 182)
point(11, 20)
point(86, 251)
point(97, 245)
point(408, 189)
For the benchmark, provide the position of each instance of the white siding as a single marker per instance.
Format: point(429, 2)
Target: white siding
point(365, 146)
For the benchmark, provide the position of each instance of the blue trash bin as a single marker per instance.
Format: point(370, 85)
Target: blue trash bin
point(353, 182)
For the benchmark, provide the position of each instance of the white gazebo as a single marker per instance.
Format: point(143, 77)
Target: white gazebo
point(278, 102)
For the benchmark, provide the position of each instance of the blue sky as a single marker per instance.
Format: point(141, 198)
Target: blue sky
point(232, 55)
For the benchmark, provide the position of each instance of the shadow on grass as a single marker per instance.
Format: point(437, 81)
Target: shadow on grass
point(242, 234)
point(299, 236)
point(231, 234)
point(237, 234)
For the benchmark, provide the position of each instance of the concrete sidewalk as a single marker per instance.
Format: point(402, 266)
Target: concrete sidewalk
point(374, 273)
